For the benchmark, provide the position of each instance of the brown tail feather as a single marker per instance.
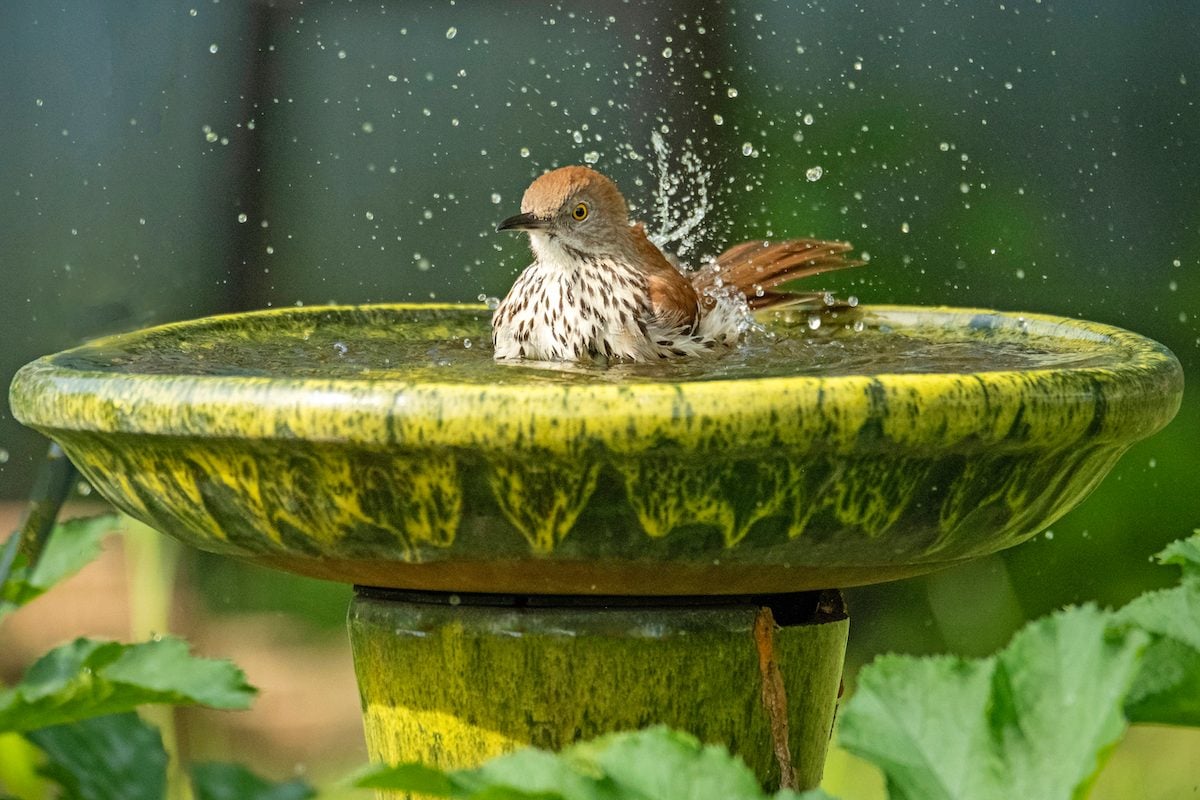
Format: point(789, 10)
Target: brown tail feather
point(755, 267)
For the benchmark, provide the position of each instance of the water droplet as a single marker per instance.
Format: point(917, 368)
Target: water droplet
point(731, 92)
point(904, 227)
point(341, 54)
point(451, 32)
point(454, 600)
point(666, 53)
point(814, 322)
point(964, 187)
point(814, 173)
point(944, 146)
point(368, 127)
point(496, 198)
point(40, 102)
point(393, 78)
point(212, 48)
point(524, 152)
point(591, 157)
point(1020, 273)
point(242, 218)
point(370, 215)
point(577, 136)
point(859, 325)
point(340, 348)
point(466, 344)
point(718, 119)
point(747, 148)
point(807, 119)
point(4, 456)
point(191, 12)
point(83, 488)
point(852, 301)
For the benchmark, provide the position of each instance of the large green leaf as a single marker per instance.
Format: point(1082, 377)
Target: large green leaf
point(655, 764)
point(666, 764)
point(116, 757)
point(218, 781)
point(1035, 722)
point(922, 722)
point(71, 546)
point(89, 678)
point(1058, 702)
point(1167, 689)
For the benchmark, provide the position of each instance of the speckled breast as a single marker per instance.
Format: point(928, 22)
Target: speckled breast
point(381, 445)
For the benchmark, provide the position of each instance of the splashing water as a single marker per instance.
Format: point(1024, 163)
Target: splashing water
point(681, 199)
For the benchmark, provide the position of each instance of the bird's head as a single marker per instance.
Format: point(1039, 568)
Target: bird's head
point(573, 208)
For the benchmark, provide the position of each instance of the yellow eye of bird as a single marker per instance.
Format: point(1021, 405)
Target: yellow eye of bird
point(580, 212)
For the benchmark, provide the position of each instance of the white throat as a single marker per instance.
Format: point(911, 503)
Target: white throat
point(551, 252)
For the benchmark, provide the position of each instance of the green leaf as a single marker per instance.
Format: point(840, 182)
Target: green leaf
point(115, 757)
point(655, 764)
point(1167, 689)
point(1184, 553)
point(216, 781)
point(411, 778)
point(535, 773)
point(1059, 701)
point(1036, 721)
point(89, 678)
point(1167, 613)
point(922, 722)
point(528, 774)
point(71, 546)
point(659, 763)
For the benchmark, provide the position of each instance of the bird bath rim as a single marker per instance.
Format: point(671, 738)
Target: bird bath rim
point(737, 487)
point(604, 406)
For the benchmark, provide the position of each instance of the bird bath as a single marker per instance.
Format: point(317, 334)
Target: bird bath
point(543, 554)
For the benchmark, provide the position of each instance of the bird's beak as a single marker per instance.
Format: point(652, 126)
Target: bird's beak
point(522, 222)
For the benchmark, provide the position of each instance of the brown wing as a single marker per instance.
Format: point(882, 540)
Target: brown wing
point(755, 267)
point(672, 297)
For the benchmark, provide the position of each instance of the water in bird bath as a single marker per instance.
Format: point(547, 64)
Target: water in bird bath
point(452, 345)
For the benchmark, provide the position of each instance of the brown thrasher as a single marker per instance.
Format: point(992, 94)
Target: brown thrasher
point(599, 289)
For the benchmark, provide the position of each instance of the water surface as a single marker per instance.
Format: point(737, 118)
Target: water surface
point(455, 346)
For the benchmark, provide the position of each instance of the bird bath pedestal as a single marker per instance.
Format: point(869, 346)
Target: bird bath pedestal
point(543, 554)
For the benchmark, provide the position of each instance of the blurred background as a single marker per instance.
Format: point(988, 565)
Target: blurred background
point(166, 160)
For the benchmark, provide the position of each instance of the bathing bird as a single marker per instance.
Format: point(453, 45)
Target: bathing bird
point(599, 290)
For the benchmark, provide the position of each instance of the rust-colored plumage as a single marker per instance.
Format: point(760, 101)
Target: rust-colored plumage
point(599, 288)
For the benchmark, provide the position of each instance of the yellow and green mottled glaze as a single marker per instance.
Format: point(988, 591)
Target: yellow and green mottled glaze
point(261, 436)
point(453, 686)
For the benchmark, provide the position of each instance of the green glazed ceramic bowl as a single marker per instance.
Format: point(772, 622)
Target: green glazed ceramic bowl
point(381, 445)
